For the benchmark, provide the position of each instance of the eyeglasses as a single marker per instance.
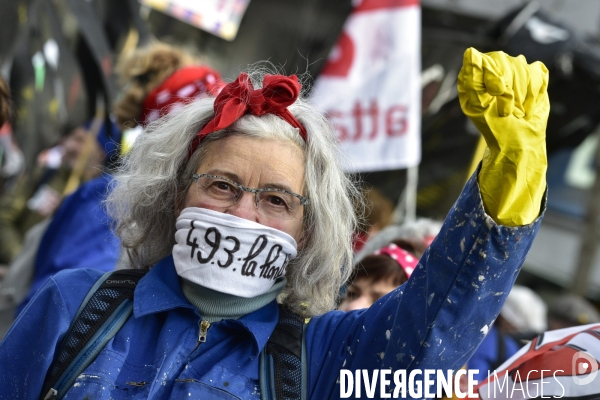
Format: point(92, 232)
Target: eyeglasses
point(218, 191)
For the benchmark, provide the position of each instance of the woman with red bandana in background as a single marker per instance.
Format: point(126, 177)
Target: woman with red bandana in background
point(158, 79)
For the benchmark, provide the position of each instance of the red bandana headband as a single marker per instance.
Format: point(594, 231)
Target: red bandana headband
point(239, 98)
point(181, 87)
point(405, 260)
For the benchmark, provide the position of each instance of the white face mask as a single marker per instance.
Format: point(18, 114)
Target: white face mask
point(230, 254)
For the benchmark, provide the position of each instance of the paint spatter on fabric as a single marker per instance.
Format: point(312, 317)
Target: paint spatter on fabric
point(484, 330)
point(430, 299)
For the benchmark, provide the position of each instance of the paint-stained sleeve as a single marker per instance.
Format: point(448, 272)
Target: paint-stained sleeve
point(438, 318)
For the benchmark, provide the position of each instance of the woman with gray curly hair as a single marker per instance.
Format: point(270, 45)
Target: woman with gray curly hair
point(158, 182)
point(233, 202)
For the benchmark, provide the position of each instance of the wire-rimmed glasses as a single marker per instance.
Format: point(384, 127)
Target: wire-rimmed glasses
point(221, 192)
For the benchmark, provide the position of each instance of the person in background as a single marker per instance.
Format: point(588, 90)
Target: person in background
point(157, 79)
point(378, 274)
point(523, 315)
point(416, 235)
point(377, 215)
point(37, 194)
point(570, 309)
point(78, 235)
point(394, 252)
point(94, 154)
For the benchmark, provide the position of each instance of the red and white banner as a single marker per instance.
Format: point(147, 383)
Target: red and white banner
point(370, 86)
point(563, 363)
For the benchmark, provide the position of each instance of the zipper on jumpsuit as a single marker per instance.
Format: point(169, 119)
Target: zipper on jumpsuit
point(204, 325)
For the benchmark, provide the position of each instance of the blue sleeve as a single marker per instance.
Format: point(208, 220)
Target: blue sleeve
point(28, 348)
point(485, 356)
point(79, 236)
point(439, 317)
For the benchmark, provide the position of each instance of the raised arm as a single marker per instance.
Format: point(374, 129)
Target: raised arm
point(439, 317)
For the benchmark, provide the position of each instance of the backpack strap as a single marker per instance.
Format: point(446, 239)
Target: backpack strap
point(282, 370)
point(105, 309)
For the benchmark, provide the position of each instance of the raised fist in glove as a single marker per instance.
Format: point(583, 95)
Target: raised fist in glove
point(507, 100)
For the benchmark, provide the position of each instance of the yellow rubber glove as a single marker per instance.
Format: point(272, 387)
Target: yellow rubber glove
point(507, 100)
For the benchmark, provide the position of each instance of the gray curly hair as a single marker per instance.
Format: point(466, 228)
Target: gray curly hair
point(154, 178)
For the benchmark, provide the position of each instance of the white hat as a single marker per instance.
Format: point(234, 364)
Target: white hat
point(525, 310)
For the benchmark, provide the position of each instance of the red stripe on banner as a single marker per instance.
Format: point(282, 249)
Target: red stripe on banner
point(533, 352)
point(371, 5)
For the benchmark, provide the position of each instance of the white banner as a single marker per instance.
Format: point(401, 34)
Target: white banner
point(370, 86)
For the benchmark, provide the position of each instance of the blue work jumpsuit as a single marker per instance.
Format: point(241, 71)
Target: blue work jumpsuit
point(434, 321)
